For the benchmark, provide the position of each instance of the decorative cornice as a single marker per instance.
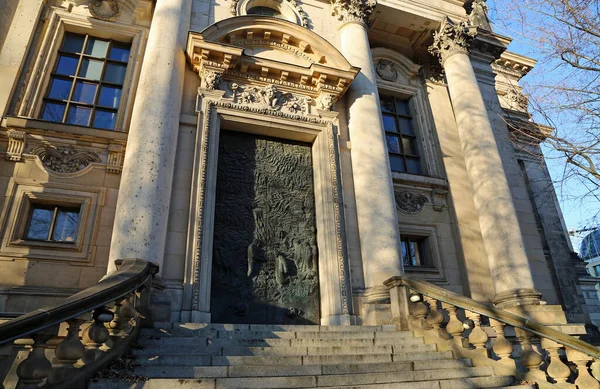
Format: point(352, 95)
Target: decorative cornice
point(452, 38)
point(357, 11)
point(513, 65)
point(64, 159)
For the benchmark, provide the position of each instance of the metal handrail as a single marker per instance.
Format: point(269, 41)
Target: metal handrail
point(131, 276)
point(488, 310)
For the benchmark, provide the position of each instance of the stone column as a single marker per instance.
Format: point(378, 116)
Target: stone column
point(375, 203)
point(140, 227)
point(502, 237)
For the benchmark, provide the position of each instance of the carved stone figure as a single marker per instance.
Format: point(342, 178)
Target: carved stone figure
point(281, 270)
point(478, 16)
point(326, 101)
point(410, 203)
point(104, 9)
point(211, 80)
point(64, 159)
point(270, 98)
point(256, 257)
point(386, 69)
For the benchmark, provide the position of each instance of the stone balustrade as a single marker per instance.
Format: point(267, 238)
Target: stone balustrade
point(494, 337)
point(64, 345)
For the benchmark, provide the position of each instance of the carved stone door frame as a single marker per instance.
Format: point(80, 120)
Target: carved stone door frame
point(216, 112)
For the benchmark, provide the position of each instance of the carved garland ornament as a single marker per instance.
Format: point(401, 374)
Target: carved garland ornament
point(64, 159)
point(339, 218)
point(104, 9)
point(452, 39)
point(410, 203)
point(270, 98)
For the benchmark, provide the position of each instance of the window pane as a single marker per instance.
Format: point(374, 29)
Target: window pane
point(39, 224)
point(119, 52)
point(79, 115)
point(392, 144)
point(115, 73)
point(96, 48)
point(387, 103)
point(402, 107)
point(405, 254)
point(397, 163)
point(91, 69)
point(59, 89)
point(416, 253)
point(413, 166)
point(389, 123)
point(406, 126)
point(408, 146)
point(105, 119)
point(84, 92)
point(53, 112)
point(65, 226)
point(66, 65)
point(110, 96)
point(72, 43)
point(413, 250)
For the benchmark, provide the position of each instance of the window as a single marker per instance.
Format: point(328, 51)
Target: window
point(87, 82)
point(52, 223)
point(414, 251)
point(265, 11)
point(597, 270)
point(400, 135)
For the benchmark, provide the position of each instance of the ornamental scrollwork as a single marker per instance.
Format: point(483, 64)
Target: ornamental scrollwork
point(386, 69)
point(452, 38)
point(410, 203)
point(64, 159)
point(270, 98)
point(104, 9)
point(353, 10)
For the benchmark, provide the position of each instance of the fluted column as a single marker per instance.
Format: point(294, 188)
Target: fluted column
point(375, 204)
point(140, 227)
point(502, 236)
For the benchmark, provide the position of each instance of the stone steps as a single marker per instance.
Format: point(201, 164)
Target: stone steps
point(221, 356)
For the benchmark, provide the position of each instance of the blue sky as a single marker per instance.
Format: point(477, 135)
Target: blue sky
point(577, 209)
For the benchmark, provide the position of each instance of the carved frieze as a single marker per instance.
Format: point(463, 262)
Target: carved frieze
point(452, 38)
point(64, 159)
point(353, 10)
point(104, 9)
point(16, 145)
point(270, 98)
point(410, 203)
point(386, 69)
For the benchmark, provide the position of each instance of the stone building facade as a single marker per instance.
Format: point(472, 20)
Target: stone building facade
point(279, 159)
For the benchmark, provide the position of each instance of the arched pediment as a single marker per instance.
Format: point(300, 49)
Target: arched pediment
point(273, 51)
point(392, 66)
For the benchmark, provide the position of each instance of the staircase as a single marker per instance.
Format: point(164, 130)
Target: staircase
point(219, 356)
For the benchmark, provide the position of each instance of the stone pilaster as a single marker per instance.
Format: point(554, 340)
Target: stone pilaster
point(502, 236)
point(140, 227)
point(375, 204)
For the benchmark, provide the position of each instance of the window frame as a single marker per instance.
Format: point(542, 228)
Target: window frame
point(433, 270)
point(23, 194)
point(56, 208)
point(76, 78)
point(37, 85)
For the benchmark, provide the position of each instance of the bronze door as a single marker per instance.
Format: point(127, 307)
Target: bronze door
point(265, 252)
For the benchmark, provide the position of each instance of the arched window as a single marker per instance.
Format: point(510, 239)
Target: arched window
point(266, 11)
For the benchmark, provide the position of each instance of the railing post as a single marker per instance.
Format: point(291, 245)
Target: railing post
point(434, 317)
point(584, 380)
point(36, 367)
point(477, 337)
point(399, 302)
point(95, 336)
point(454, 327)
point(68, 352)
point(502, 346)
point(530, 359)
point(556, 369)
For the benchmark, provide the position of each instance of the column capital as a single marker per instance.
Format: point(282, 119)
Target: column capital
point(353, 11)
point(452, 38)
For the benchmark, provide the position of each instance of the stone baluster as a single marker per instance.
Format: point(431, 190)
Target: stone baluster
point(454, 327)
point(36, 367)
point(595, 368)
point(122, 314)
point(502, 346)
point(95, 336)
point(530, 359)
point(68, 352)
point(557, 370)
point(477, 337)
point(584, 380)
point(434, 317)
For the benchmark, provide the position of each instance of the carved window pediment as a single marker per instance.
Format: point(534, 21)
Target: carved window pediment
point(270, 51)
